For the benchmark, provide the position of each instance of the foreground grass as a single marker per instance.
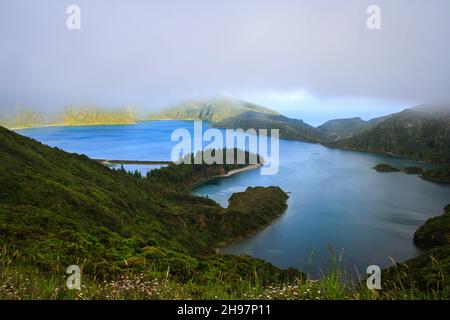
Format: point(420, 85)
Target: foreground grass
point(23, 282)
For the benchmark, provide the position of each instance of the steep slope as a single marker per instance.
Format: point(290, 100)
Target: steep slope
point(58, 209)
point(345, 128)
point(212, 110)
point(288, 128)
point(421, 133)
point(431, 270)
point(230, 113)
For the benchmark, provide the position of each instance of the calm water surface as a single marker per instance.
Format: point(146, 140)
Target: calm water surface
point(335, 198)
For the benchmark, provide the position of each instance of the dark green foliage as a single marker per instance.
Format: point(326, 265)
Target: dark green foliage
point(212, 110)
point(288, 128)
point(58, 209)
point(430, 271)
point(416, 133)
point(346, 128)
point(383, 167)
point(184, 177)
point(438, 174)
point(343, 128)
point(435, 232)
point(413, 170)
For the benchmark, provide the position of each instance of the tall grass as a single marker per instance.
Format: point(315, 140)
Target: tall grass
point(19, 280)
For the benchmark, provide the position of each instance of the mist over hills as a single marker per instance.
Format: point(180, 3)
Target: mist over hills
point(421, 133)
point(226, 112)
point(213, 110)
point(344, 128)
point(70, 116)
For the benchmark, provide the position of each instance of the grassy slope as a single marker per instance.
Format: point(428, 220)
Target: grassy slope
point(288, 128)
point(86, 115)
point(413, 133)
point(213, 110)
point(58, 209)
point(431, 270)
point(344, 128)
point(231, 113)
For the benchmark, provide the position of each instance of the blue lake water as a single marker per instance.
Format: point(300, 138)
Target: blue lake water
point(335, 198)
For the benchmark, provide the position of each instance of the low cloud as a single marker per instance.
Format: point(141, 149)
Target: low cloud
point(296, 53)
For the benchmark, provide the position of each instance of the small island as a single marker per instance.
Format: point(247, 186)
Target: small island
point(383, 167)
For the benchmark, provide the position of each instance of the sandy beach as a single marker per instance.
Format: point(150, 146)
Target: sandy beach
point(236, 171)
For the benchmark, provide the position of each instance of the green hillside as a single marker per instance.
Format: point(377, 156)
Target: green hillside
point(431, 270)
point(344, 128)
point(90, 115)
point(230, 113)
point(71, 116)
point(58, 209)
point(419, 133)
point(288, 128)
point(212, 110)
point(148, 238)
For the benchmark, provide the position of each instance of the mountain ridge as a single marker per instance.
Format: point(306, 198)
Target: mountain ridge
point(419, 133)
point(224, 112)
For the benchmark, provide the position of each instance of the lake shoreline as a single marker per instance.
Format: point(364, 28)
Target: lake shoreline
point(312, 173)
point(237, 171)
point(71, 125)
point(325, 144)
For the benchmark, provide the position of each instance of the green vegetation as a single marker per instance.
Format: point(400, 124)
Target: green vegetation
point(213, 110)
point(185, 177)
point(86, 115)
point(342, 128)
point(345, 128)
point(149, 238)
point(24, 119)
point(438, 174)
point(429, 272)
point(89, 115)
point(58, 209)
point(383, 167)
point(288, 128)
point(225, 112)
point(413, 170)
point(417, 133)
point(142, 238)
point(435, 232)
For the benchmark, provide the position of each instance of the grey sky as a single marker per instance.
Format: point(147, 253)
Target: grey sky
point(310, 59)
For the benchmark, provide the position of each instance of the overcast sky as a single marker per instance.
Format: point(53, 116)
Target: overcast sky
point(314, 60)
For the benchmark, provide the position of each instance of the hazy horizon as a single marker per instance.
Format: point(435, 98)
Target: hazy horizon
point(311, 60)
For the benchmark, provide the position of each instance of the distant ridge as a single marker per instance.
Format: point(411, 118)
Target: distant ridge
point(288, 128)
point(225, 112)
point(71, 116)
point(421, 133)
point(345, 128)
point(213, 110)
